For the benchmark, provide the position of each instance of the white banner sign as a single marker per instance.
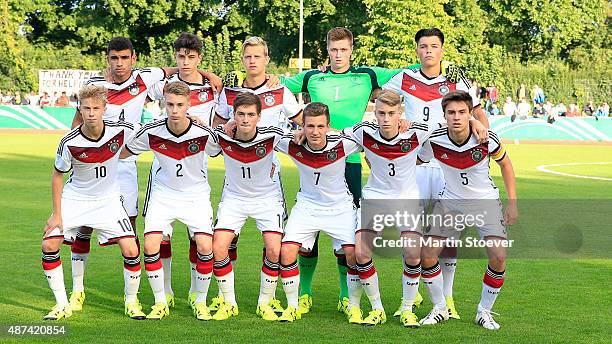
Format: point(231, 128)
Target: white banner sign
point(63, 80)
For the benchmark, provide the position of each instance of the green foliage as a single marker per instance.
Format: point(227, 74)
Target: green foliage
point(561, 45)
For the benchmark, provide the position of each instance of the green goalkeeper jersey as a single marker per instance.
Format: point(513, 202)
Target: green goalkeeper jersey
point(346, 94)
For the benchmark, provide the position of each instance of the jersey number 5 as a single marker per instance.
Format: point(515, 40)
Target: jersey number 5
point(464, 178)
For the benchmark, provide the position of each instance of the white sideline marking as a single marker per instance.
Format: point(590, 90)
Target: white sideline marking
point(544, 168)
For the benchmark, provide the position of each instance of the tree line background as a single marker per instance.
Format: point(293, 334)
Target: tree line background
point(561, 45)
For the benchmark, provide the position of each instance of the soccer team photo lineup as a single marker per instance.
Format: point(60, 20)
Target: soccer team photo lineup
point(381, 203)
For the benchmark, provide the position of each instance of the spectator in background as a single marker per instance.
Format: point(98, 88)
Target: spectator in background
point(495, 110)
point(572, 111)
point(8, 98)
point(603, 110)
point(521, 92)
point(34, 98)
point(509, 108)
point(63, 100)
point(560, 109)
point(537, 95)
point(54, 99)
point(493, 95)
point(17, 98)
point(523, 109)
point(538, 110)
point(45, 100)
point(588, 109)
point(548, 107)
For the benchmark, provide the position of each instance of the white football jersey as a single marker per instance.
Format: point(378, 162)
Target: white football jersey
point(202, 100)
point(322, 181)
point(248, 164)
point(125, 101)
point(181, 157)
point(93, 163)
point(277, 104)
point(465, 166)
point(423, 95)
point(392, 162)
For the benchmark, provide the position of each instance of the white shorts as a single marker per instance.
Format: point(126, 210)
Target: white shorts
point(304, 224)
point(128, 183)
point(106, 216)
point(430, 181)
point(269, 215)
point(485, 215)
point(195, 213)
point(409, 220)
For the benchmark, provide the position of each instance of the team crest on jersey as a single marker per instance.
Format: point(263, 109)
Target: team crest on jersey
point(193, 147)
point(133, 89)
point(332, 155)
point(405, 147)
point(477, 155)
point(443, 90)
point(269, 100)
point(203, 96)
point(114, 147)
point(260, 151)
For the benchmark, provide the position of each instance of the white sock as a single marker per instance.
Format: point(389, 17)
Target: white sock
point(433, 280)
point(448, 266)
point(369, 282)
point(167, 264)
point(193, 277)
point(269, 280)
point(79, 261)
point(233, 263)
point(290, 278)
point(55, 276)
point(204, 269)
point(225, 279)
point(354, 287)
point(131, 280)
point(155, 274)
point(410, 285)
point(491, 286)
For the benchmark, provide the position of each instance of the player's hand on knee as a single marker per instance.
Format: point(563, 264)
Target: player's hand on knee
point(479, 130)
point(511, 213)
point(273, 80)
point(230, 128)
point(404, 125)
point(54, 221)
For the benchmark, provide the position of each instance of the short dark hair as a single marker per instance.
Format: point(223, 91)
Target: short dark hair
point(120, 43)
point(457, 96)
point(434, 31)
point(246, 99)
point(315, 109)
point(338, 34)
point(188, 41)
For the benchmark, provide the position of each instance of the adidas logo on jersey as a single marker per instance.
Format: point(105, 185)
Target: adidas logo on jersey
point(83, 155)
point(412, 88)
point(163, 146)
point(228, 148)
point(444, 156)
point(375, 146)
point(299, 154)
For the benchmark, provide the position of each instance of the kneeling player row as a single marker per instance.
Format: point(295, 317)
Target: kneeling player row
point(180, 191)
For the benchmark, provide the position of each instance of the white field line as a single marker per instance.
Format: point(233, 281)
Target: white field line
point(544, 168)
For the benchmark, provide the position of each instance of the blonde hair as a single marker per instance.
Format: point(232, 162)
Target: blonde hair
point(389, 97)
point(178, 88)
point(92, 91)
point(255, 41)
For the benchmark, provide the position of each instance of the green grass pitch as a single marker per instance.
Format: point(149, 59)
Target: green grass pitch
point(543, 300)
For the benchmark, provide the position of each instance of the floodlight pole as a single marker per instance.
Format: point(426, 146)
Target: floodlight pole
point(301, 43)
